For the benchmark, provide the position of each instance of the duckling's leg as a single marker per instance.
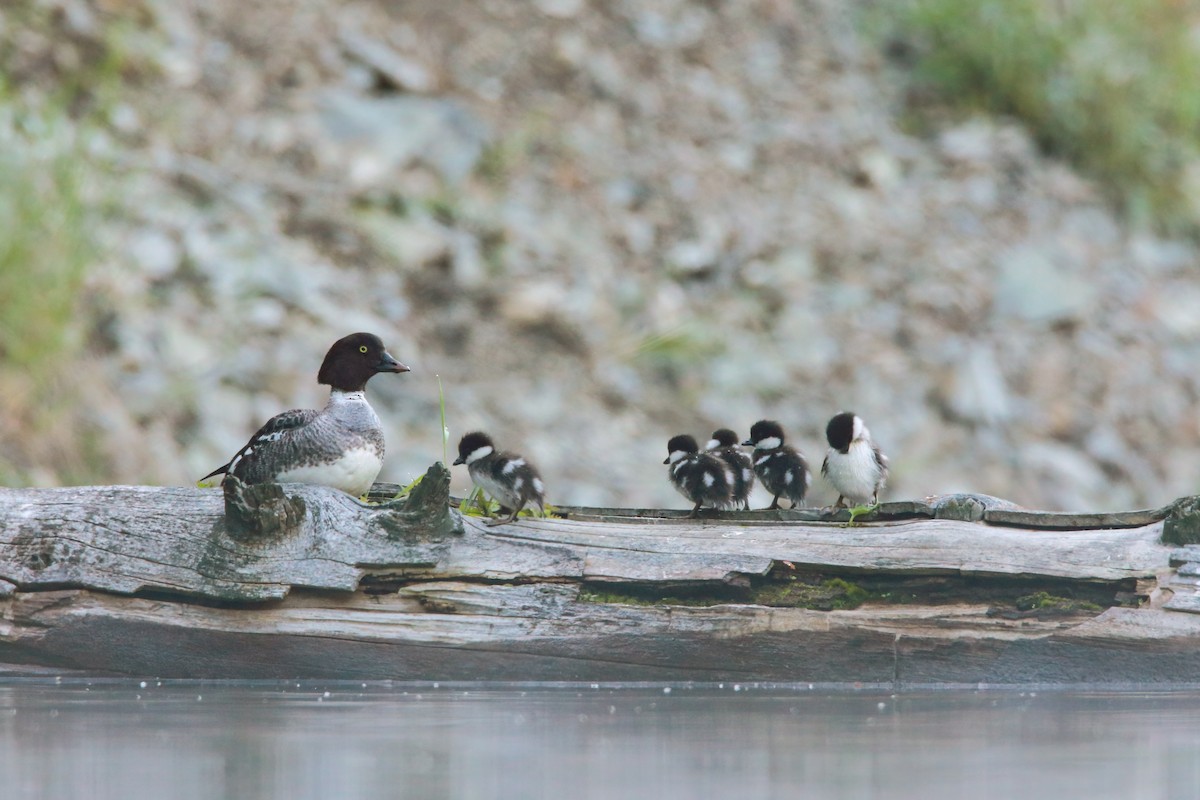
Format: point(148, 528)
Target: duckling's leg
point(841, 503)
point(503, 521)
point(774, 504)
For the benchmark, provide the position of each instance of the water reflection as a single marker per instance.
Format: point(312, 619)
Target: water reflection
point(188, 741)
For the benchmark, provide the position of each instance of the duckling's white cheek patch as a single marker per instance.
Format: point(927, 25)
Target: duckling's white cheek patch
point(479, 452)
point(769, 443)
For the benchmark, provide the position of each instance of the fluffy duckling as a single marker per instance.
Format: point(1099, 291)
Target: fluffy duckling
point(781, 467)
point(724, 445)
point(507, 477)
point(854, 464)
point(702, 478)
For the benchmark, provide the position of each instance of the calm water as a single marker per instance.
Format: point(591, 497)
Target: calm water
point(195, 740)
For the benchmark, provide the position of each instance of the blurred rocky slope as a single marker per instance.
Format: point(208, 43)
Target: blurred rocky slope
point(600, 224)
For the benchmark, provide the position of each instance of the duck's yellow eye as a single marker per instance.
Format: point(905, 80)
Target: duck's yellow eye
point(362, 348)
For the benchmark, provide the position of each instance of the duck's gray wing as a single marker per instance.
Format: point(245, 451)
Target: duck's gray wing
point(274, 429)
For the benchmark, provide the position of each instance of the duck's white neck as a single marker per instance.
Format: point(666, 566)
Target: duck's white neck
point(352, 410)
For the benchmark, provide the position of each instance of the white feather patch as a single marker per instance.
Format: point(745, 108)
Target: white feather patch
point(855, 474)
point(769, 443)
point(479, 452)
point(353, 472)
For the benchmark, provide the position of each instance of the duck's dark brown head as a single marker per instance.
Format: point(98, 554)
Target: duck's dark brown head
point(353, 360)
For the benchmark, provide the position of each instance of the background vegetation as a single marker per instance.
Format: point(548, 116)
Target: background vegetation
point(173, 175)
point(52, 193)
point(1112, 87)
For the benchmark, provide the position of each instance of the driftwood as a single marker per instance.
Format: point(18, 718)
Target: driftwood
point(304, 581)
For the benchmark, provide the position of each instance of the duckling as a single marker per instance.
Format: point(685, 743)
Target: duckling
point(507, 477)
point(702, 478)
point(854, 464)
point(724, 445)
point(781, 468)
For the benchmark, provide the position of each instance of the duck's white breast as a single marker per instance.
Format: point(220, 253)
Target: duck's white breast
point(353, 472)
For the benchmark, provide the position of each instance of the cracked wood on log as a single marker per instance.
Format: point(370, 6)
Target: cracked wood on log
point(304, 581)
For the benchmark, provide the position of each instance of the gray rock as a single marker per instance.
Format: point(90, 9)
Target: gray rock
point(694, 257)
point(560, 9)
point(1178, 310)
point(970, 143)
point(804, 338)
point(978, 392)
point(411, 241)
point(155, 251)
point(1034, 284)
point(469, 266)
point(396, 69)
point(683, 28)
point(1067, 478)
point(1156, 255)
point(1093, 227)
point(879, 168)
point(266, 314)
point(376, 136)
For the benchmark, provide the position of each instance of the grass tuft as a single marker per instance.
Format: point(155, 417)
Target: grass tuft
point(45, 242)
point(445, 430)
point(479, 504)
point(58, 87)
point(46, 245)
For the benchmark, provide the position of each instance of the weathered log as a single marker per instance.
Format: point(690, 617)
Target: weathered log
point(304, 581)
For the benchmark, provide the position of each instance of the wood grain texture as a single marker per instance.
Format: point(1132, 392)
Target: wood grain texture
point(160, 582)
